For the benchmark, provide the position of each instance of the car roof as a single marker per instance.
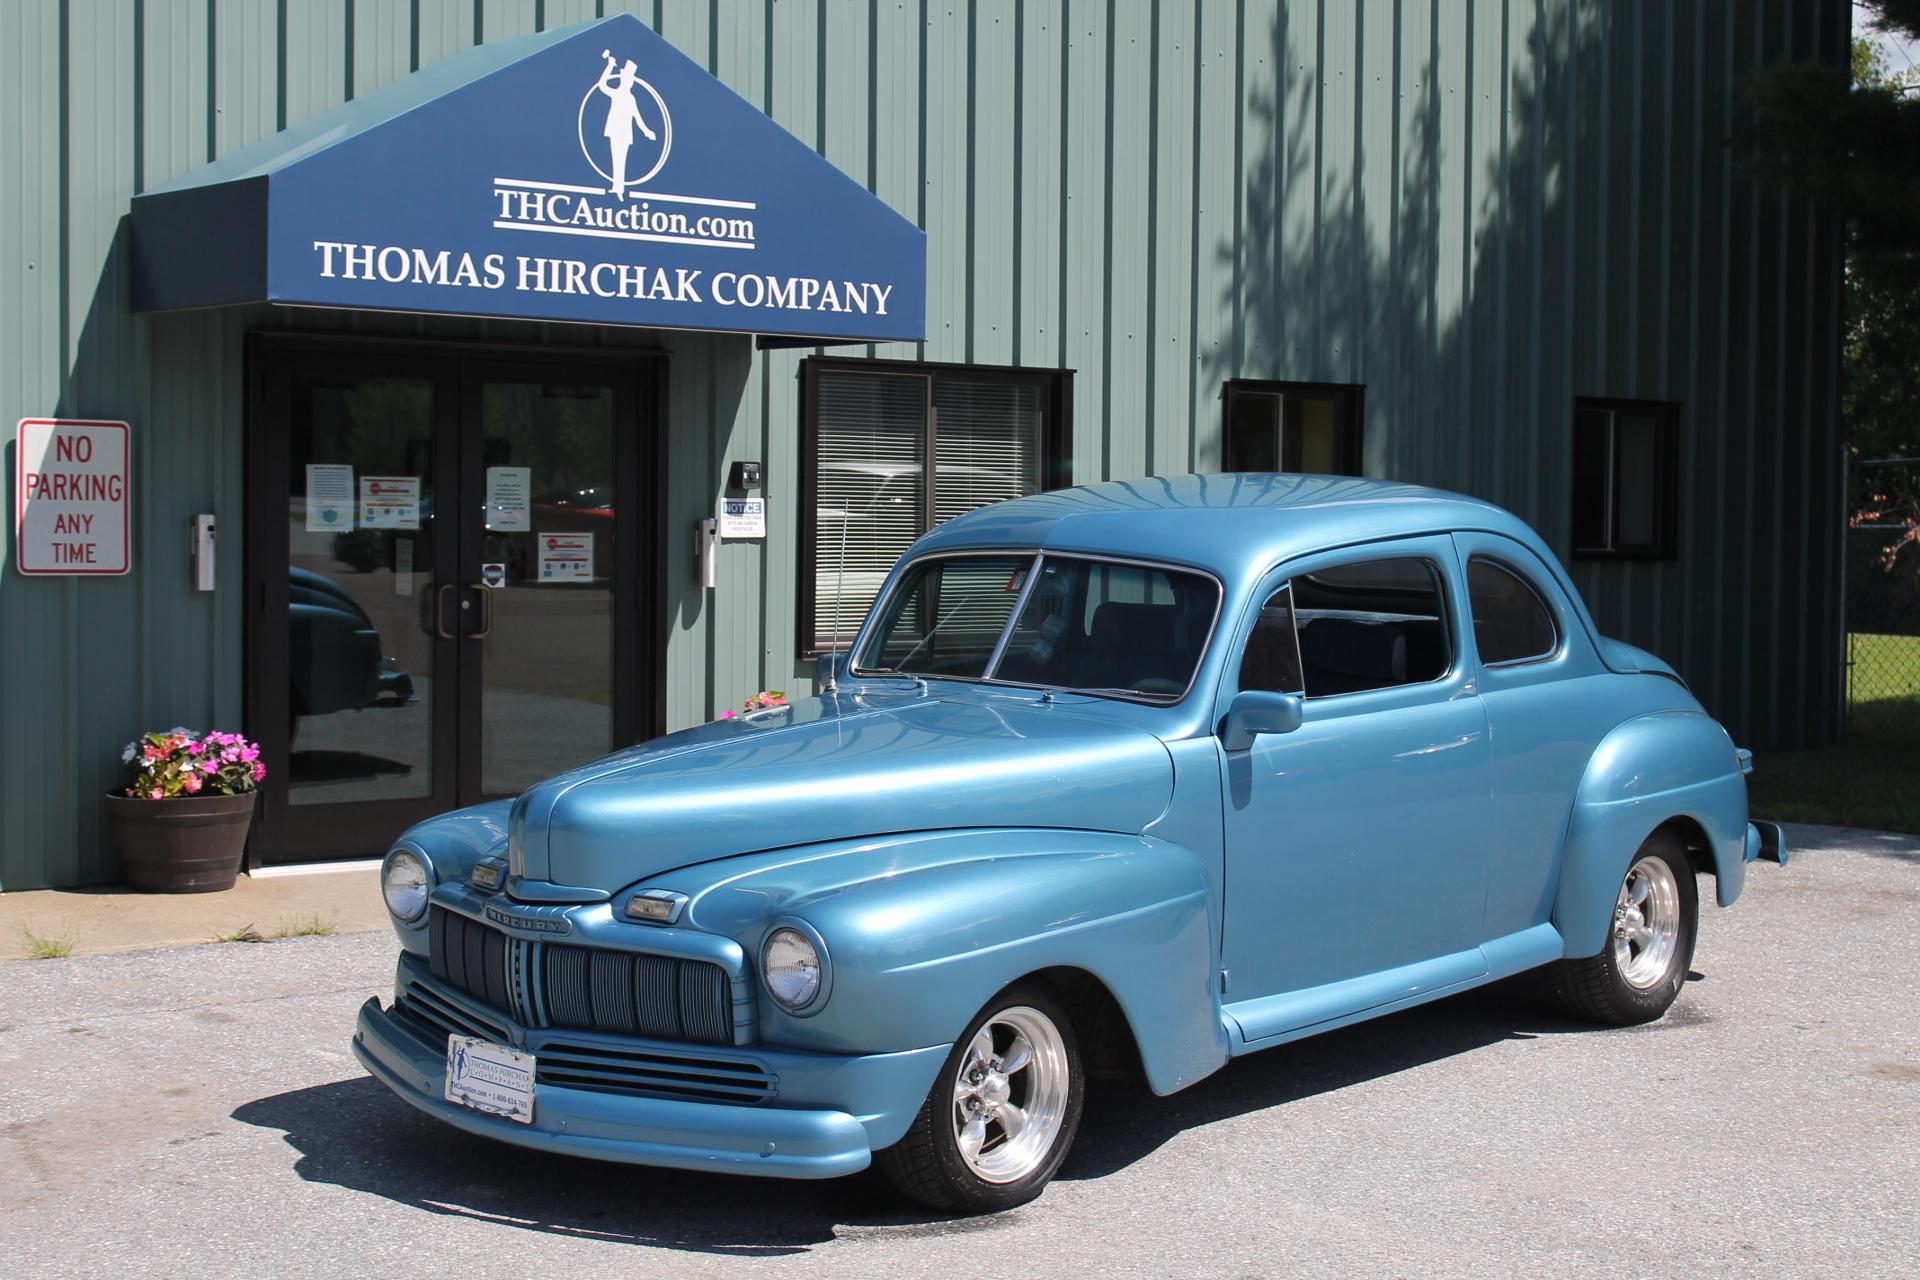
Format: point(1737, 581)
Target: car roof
point(1233, 523)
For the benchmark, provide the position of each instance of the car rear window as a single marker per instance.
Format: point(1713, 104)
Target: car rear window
point(1510, 621)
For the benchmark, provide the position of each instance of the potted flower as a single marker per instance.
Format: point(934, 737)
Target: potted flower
point(182, 826)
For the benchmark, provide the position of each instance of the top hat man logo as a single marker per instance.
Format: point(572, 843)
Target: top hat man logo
point(628, 102)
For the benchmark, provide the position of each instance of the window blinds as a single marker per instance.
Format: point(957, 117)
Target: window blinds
point(870, 491)
point(987, 442)
point(871, 483)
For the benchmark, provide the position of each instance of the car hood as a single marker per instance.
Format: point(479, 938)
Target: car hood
point(836, 768)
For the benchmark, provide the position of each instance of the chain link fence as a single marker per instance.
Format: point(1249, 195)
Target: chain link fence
point(1883, 598)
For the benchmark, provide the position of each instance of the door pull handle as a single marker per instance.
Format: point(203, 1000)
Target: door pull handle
point(486, 611)
point(440, 611)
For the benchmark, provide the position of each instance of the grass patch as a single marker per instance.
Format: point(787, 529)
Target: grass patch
point(314, 926)
point(38, 947)
point(1871, 778)
point(1883, 681)
point(245, 933)
point(1865, 781)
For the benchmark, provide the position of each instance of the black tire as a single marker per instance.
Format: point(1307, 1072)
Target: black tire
point(927, 1165)
point(1597, 988)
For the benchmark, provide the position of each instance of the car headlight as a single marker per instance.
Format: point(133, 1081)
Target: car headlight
point(405, 881)
point(792, 966)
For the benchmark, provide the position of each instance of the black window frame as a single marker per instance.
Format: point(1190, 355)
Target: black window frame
point(1666, 504)
point(1519, 575)
point(1056, 467)
point(1351, 398)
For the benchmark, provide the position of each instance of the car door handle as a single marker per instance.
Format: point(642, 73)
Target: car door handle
point(486, 610)
point(440, 611)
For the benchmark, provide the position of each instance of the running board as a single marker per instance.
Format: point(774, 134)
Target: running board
point(1291, 1015)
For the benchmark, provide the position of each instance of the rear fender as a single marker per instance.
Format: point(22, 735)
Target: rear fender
point(922, 929)
point(1647, 772)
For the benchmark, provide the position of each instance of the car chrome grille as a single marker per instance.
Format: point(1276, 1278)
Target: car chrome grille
point(552, 984)
point(654, 1071)
point(433, 1013)
point(471, 958)
point(590, 989)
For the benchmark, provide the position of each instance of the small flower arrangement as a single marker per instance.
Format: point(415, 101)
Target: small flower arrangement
point(180, 762)
point(765, 700)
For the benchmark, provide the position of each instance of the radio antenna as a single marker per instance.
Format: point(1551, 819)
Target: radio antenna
point(839, 584)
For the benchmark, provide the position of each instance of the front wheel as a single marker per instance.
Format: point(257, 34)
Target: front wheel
point(1001, 1114)
point(1656, 917)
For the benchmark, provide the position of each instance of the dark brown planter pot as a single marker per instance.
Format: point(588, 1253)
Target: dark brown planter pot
point(191, 844)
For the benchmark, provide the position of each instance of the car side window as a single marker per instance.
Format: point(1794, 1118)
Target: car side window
point(1272, 659)
point(1511, 623)
point(1376, 624)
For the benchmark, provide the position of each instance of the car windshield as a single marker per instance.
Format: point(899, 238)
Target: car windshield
point(1097, 626)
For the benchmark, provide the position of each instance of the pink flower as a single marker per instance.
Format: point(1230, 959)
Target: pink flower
point(156, 794)
point(725, 715)
point(209, 766)
point(195, 748)
point(250, 754)
point(230, 754)
point(191, 783)
point(259, 771)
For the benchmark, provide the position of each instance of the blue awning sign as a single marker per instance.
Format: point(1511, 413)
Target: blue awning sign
point(589, 174)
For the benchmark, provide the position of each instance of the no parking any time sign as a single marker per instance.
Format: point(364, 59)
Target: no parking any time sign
point(70, 495)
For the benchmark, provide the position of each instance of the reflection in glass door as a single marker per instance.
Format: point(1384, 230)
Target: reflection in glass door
point(446, 564)
point(548, 558)
point(360, 566)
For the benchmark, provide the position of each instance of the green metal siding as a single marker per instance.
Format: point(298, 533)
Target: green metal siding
point(1477, 210)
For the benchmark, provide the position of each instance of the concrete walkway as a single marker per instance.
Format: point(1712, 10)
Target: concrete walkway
point(114, 918)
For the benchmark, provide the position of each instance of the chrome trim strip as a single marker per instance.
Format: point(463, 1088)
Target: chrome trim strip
point(1013, 619)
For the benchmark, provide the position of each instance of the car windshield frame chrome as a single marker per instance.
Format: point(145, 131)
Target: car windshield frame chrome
point(1036, 557)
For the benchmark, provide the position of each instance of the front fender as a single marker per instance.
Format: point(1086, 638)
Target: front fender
point(1646, 772)
point(921, 930)
point(452, 843)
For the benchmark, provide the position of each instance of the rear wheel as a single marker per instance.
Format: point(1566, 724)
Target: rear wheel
point(1656, 917)
point(1001, 1114)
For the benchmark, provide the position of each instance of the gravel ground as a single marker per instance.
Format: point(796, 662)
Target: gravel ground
point(197, 1113)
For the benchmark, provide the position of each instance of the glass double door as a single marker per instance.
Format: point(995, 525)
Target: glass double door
point(447, 554)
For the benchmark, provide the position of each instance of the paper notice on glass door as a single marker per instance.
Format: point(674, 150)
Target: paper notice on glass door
point(389, 502)
point(566, 557)
point(329, 496)
point(507, 505)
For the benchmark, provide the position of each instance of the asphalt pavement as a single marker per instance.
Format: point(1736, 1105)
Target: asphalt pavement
point(196, 1112)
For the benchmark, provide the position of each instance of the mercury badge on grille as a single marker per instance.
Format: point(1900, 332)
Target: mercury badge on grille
point(529, 920)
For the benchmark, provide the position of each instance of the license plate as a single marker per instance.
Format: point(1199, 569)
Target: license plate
point(490, 1077)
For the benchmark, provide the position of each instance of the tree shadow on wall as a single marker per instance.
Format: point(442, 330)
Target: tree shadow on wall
point(1355, 266)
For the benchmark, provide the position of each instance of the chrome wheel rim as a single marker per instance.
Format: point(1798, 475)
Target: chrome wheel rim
point(1010, 1095)
point(1646, 923)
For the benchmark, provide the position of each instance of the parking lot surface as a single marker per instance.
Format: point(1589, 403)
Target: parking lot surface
point(197, 1112)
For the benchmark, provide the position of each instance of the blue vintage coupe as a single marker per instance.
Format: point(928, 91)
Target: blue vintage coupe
point(1141, 775)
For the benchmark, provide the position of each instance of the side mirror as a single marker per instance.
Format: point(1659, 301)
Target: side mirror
point(828, 668)
point(1257, 711)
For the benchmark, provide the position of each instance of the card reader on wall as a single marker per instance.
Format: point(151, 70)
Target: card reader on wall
point(706, 549)
point(203, 553)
